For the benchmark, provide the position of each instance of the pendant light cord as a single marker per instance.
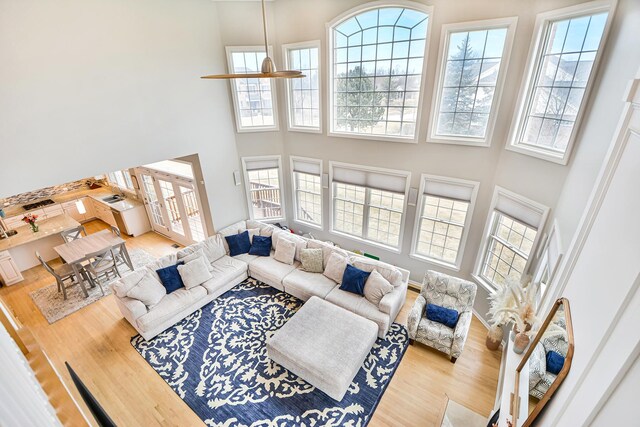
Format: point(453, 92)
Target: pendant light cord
point(264, 26)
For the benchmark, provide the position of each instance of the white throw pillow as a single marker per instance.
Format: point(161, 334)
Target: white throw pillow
point(194, 273)
point(300, 242)
point(376, 288)
point(148, 290)
point(389, 272)
point(124, 285)
point(196, 255)
point(335, 267)
point(165, 261)
point(285, 251)
point(213, 247)
point(253, 232)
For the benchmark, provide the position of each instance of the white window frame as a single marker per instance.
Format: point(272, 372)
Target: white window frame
point(423, 83)
point(424, 178)
point(447, 29)
point(294, 189)
point(114, 183)
point(404, 174)
point(543, 20)
point(236, 109)
point(285, 54)
point(535, 207)
point(247, 189)
point(549, 261)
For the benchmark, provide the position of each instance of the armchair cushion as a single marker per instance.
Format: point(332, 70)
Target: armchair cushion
point(446, 316)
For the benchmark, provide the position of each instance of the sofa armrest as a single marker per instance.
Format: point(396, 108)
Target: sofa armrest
point(460, 333)
point(415, 315)
point(392, 302)
point(131, 309)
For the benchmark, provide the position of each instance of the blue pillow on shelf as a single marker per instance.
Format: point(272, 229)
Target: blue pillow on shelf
point(446, 316)
point(261, 246)
point(170, 277)
point(239, 243)
point(555, 362)
point(353, 280)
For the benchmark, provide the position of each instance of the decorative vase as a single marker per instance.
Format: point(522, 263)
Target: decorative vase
point(34, 227)
point(494, 337)
point(520, 343)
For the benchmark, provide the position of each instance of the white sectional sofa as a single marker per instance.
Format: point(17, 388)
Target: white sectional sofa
point(228, 271)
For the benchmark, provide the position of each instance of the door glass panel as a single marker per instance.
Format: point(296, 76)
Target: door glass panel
point(193, 213)
point(171, 206)
point(154, 204)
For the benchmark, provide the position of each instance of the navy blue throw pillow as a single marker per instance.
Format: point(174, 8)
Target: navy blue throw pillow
point(170, 277)
point(555, 362)
point(239, 243)
point(353, 280)
point(261, 246)
point(446, 316)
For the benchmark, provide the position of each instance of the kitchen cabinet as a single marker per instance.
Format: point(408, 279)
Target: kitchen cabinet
point(53, 210)
point(71, 209)
point(104, 213)
point(89, 206)
point(14, 222)
point(9, 271)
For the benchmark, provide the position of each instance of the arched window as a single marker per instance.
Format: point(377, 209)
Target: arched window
point(377, 57)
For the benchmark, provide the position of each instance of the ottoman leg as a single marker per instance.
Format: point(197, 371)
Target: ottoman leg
point(453, 359)
point(411, 342)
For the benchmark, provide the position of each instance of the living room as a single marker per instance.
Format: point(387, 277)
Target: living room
point(396, 174)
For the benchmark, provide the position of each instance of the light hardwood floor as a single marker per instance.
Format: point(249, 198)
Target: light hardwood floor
point(95, 341)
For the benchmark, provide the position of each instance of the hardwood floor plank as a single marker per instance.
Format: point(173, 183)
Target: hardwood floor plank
point(95, 341)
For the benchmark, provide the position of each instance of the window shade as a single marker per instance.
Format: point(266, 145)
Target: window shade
point(307, 166)
point(519, 211)
point(258, 164)
point(449, 190)
point(371, 179)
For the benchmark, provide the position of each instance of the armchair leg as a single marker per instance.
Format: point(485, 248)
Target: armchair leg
point(411, 342)
point(453, 359)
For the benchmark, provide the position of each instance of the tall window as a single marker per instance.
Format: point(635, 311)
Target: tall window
point(253, 99)
point(471, 73)
point(307, 190)
point(369, 204)
point(304, 93)
point(376, 72)
point(561, 74)
point(121, 179)
point(444, 216)
point(510, 238)
point(263, 184)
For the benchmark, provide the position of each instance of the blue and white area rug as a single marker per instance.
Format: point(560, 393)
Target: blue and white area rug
point(216, 361)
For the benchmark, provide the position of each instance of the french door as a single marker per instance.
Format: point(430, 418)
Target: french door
point(173, 206)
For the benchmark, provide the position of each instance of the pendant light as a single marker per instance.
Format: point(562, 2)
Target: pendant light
point(268, 69)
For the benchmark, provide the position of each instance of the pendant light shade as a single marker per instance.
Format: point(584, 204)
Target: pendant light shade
point(268, 69)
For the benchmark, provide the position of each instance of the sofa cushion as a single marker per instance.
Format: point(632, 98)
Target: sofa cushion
point(376, 288)
point(300, 242)
point(327, 249)
point(353, 280)
point(285, 251)
point(124, 285)
point(303, 284)
point(334, 269)
point(148, 290)
point(195, 272)
point(437, 333)
point(246, 258)
point(170, 305)
point(238, 243)
point(260, 246)
point(161, 262)
point(170, 278)
point(359, 305)
point(224, 270)
point(312, 260)
point(270, 270)
point(229, 230)
point(212, 247)
point(253, 232)
point(388, 271)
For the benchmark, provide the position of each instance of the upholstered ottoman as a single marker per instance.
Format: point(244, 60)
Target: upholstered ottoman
point(324, 344)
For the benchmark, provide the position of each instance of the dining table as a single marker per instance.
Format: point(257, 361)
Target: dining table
point(75, 252)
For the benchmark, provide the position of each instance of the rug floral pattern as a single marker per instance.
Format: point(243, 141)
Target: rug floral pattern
point(216, 361)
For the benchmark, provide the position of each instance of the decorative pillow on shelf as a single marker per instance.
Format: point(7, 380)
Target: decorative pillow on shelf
point(354, 279)
point(285, 251)
point(376, 288)
point(336, 264)
point(446, 316)
point(194, 273)
point(148, 290)
point(170, 277)
point(312, 260)
point(555, 362)
point(238, 243)
point(261, 246)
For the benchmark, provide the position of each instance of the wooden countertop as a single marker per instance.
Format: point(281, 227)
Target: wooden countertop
point(47, 227)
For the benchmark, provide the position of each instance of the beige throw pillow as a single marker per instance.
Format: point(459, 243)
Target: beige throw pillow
point(148, 290)
point(285, 251)
point(253, 232)
point(312, 260)
point(376, 288)
point(194, 273)
point(335, 267)
point(122, 286)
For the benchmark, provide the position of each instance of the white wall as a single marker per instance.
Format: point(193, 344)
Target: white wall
point(89, 86)
point(302, 20)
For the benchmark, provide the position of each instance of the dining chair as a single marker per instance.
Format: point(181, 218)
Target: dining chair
point(115, 230)
point(62, 274)
point(74, 233)
point(101, 266)
point(119, 251)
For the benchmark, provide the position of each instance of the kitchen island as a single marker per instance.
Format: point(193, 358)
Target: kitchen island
point(17, 253)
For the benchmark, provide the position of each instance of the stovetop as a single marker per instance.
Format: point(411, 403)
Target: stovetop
point(39, 204)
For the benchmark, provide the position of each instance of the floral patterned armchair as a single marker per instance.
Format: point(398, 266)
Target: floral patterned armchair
point(449, 292)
